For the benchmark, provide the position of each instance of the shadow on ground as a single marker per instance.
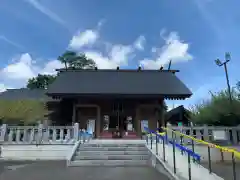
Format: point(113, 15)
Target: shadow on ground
point(224, 169)
point(12, 165)
point(58, 170)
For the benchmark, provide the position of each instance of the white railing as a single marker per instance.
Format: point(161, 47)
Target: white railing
point(39, 134)
point(206, 133)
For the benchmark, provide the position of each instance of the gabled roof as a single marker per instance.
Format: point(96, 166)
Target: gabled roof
point(175, 111)
point(24, 94)
point(118, 82)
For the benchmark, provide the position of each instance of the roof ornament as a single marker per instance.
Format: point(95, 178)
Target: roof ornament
point(96, 68)
point(117, 67)
point(139, 68)
point(169, 65)
point(161, 68)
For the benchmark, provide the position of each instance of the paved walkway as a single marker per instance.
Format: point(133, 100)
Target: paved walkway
point(58, 170)
point(224, 170)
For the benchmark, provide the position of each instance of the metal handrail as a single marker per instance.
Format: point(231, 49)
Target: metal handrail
point(234, 153)
point(165, 140)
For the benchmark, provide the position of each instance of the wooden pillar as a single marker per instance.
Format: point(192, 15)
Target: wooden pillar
point(138, 121)
point(74, 113)
point(162, 114)
point(98, 122)
point(157, 117)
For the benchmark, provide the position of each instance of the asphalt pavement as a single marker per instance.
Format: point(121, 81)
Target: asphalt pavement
point(48, 170)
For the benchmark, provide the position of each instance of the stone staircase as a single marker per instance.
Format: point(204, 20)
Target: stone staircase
point(111, 154)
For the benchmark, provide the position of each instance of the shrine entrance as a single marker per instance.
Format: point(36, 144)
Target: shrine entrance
point(118, 121)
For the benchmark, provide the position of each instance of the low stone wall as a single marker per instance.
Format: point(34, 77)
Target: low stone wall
point(33, 152)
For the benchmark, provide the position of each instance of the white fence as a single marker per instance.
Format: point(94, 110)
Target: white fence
point(206, 133)
point(39, 134)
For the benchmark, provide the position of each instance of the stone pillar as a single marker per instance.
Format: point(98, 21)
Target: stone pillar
point(76, 130)
point(205, 133)
point(235, 136)
point(3, 132)
point(40, 134)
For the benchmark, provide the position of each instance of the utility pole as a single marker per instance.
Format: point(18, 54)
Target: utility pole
point(219, 63)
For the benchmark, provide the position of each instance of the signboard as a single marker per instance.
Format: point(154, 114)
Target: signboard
point(219, 135)
point(129, 127)
point(144, 123)
point(105, 122)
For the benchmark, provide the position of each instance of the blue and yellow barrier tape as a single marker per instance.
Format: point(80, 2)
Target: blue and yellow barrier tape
point(180, 147)
point(224, 149)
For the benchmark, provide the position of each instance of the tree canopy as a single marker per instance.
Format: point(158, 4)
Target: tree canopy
point(78, 61)
point(40, 82)
point(70, 59)
point(218, 110)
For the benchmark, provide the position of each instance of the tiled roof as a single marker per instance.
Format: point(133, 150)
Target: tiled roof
point(24, 93)
point(119, 82)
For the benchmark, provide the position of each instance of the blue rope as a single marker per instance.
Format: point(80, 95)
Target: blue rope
point(182, 148)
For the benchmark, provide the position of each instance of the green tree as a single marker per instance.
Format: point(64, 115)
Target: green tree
point(40, 82)
point(67, 57)
point(70, 59)
point(74, 60)
point(218, 110)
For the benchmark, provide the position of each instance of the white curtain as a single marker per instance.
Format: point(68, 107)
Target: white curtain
point(91, 126)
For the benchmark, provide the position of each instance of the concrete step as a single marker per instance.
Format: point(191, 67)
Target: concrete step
point(109, 163)
point(112, 145)
point(83, 148)
point(99, 153)
point(112, 157)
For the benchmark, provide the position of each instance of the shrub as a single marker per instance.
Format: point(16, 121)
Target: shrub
point(22, 112)
point(218, 110)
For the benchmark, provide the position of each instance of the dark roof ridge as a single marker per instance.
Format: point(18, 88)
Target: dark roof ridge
point(115, 70)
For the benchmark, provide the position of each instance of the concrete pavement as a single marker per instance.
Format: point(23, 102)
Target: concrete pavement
point(48, 170)
point(224, 169)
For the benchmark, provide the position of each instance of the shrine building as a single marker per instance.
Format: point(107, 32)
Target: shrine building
point(110, 99)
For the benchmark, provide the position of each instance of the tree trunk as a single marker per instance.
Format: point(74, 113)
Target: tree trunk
point(65, 63)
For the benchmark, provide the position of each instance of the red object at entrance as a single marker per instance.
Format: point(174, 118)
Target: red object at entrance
point(128, 135)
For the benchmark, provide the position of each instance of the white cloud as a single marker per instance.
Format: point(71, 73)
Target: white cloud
point(118, 55)
point(85, 38)
point(37, 5)
point(25, 67)
point(174, 49)
point(139, 43)
point(22, 69)
point(3, 88)
point(19, 71)
point(50, 67)
point(115, 54)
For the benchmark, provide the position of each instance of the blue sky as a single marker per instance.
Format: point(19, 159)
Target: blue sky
point(192, 33)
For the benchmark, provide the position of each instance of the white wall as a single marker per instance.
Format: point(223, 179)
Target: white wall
point(33, 152)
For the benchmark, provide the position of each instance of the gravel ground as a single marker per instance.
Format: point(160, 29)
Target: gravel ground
point(49, 170)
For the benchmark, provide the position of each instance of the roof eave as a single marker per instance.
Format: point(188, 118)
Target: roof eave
point(165, 96)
